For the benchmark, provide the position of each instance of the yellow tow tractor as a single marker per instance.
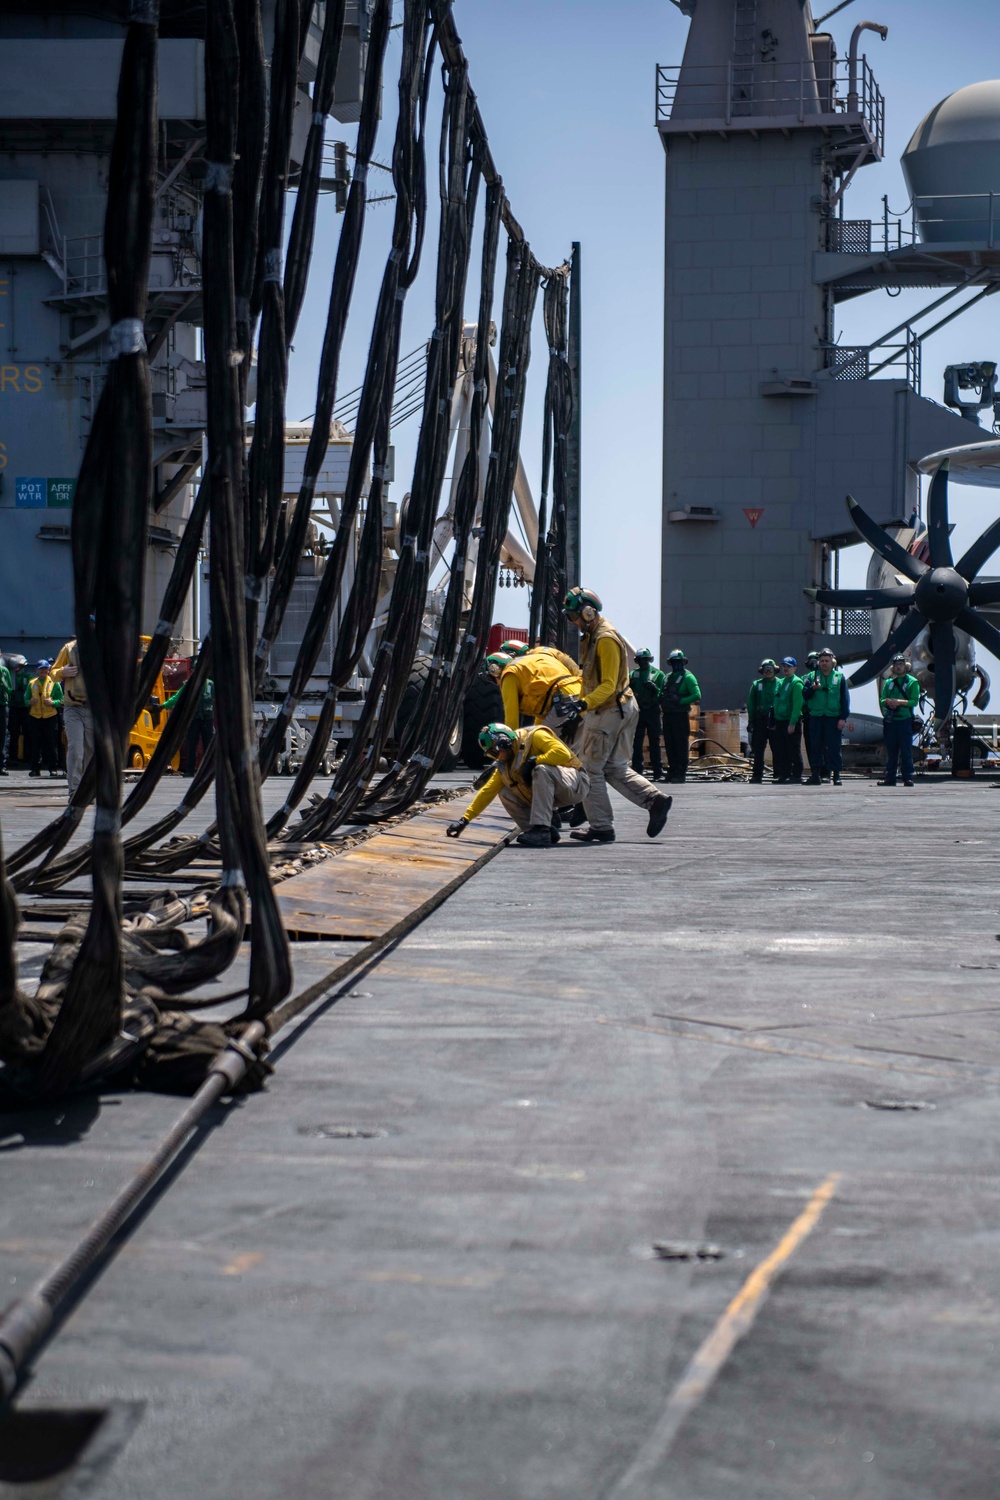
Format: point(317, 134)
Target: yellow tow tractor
point(152, 719)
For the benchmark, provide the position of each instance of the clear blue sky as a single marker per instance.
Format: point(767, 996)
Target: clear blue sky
point(566, 91)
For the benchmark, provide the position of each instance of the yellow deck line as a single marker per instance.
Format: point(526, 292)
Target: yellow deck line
point(736, 1321)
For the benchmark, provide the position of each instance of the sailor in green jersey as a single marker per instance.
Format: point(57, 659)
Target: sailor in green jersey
point(812, 666)
point(202, 726)
point(829, 705)
point(899, 698)
point(647, 683)
point(680, 691)
point(6, 693)
point(788, 724)
point(760, 719)
point(18, 720)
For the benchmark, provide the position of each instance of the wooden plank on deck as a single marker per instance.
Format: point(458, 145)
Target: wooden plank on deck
point(374, 887)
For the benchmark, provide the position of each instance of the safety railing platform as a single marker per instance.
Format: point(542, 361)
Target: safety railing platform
point(772, 96)
point(938, 219)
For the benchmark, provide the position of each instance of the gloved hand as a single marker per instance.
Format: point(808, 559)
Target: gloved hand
point(529, 766)
point(570, 709)
point(454, 829)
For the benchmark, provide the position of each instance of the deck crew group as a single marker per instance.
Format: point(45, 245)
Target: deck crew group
point(590, 722)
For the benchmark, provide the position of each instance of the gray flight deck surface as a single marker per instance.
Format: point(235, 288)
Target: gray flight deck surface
point(584, 1051)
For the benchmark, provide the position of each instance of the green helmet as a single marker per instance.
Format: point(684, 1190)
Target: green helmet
point(579, 600)
point(677, 655)
point(514, 648)
point(644, 654)
point(495, 663)
point(496, 737)
point(768, 661)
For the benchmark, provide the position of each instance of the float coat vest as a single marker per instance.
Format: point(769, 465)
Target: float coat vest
point(536, 677)
point(603, 630)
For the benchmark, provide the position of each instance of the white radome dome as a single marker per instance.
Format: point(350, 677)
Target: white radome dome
point(952, 166)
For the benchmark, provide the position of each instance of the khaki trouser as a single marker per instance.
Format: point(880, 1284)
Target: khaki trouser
point(551, 787)
point(79, 725)
point(605, 750)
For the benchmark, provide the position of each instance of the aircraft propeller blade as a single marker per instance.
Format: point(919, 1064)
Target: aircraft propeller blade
point(905, 632)
point(937, 518)
point(887, 598)
point(981, 630)
point(881, 542)
point(943, 647)
point(987, 592)
point(980, 552)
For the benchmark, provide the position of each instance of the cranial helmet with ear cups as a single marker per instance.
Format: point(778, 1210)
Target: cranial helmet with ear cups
point(582, 602)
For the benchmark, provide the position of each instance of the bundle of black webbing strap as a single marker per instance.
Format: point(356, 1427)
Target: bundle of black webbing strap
point(549, 625)
point(112, 996)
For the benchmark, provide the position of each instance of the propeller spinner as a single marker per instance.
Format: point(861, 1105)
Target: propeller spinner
point(940, 596)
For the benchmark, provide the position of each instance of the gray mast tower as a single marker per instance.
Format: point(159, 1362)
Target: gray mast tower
point(767, 422)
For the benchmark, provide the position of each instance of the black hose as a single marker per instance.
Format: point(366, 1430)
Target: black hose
point(537, 622)
point(341, 291)
point(248, 174)
point(56, 835)
point(265, 476)
point(303, 229)
point(550, 588)
point(460, 181)
point(110, 518)
point(381, 366)
point(240, 819)
point(244, 204)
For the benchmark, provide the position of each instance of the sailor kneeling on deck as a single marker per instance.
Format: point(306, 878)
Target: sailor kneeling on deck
point(535, 774)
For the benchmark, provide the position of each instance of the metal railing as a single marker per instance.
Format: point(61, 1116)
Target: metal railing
point(803, 90)
point(862, 362)
point(949, 218)
point(84, 271)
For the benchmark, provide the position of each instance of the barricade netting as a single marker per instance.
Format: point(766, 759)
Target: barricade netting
point(114, 1000)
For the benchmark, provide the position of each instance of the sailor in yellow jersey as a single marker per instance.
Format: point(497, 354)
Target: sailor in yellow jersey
point(609, 713)
point(531, 683)
point(535, 774)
